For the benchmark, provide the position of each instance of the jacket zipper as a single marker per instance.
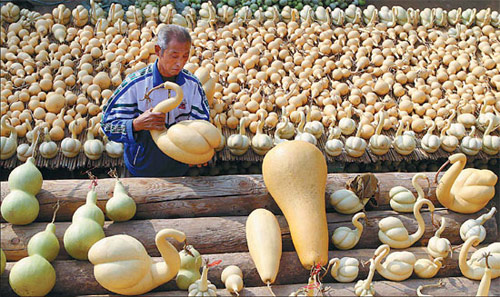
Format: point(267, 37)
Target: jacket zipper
point(136, 154)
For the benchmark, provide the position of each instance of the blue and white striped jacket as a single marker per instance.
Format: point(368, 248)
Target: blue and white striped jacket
point(142, 156)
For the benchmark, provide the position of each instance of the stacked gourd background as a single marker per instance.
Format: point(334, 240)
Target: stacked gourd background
point(350, 81)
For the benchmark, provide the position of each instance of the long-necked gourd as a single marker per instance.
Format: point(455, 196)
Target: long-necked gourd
point(189, 271)
point(465, 191)
point(437, 246)
point(425, 268)
point(286, 129)
point(191, 141)
point(471, 145)
point(300, 196)
point(344, 238)
point(263, 236)
point(202, 287)
point(20, 206)
point(484, 118)
point(380, 144)
point(344, 270)
point(123, 266)
point(484, 285)
point(261, 142)
point(238, 143)
point(398, 266)
point(474, 268)
point(24, 151)
point(365, 287)
point(92, 147)
point(491, 143)
point(333, 145)
point(393, 232)
point(346, 202)
point(85, 229)
point(430, 142)
point(448, 142)
point(8, 145)
point(71, 146)
point(403, 143)
point(121, 207)
point(402, 199)
point(474, 227)
point(355, 146)
point(232, 278)
point(303, 135)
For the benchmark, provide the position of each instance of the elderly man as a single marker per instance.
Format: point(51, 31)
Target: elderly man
point(127, 118)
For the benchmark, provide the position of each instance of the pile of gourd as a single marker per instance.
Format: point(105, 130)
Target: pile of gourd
point(346, 74)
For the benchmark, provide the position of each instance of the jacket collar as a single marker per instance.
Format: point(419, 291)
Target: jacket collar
point(157, 80)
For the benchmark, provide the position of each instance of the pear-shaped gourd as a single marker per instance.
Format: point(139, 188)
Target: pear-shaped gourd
point(238, 143)
point(20, 206)
point(474, 268)
point(465, 191)
point(232, 277)
point(45, 243)
point(189, 271)
point(121, 207)
point(191, 141)
point(3, 261)
point(122, 265)
point(402, 199)
point(437, 246)
point(398, 266)
point(346, 202)
point(202, 287)
point(345, 270)
point(344, 238)
point(300, 196)
point(474, 227)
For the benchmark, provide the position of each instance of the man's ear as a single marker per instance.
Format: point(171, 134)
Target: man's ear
point(157, 50)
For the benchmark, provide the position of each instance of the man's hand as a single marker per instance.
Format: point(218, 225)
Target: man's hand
point(149, 120)
point(199, 165)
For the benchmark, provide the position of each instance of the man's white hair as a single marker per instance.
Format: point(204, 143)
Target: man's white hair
point(172, 32)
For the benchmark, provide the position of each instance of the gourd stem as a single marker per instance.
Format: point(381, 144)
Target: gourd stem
point(302, 122)
point(482, 219)
point(420, 288)
point(421, 224)
point(270, 290)
point(55, 211)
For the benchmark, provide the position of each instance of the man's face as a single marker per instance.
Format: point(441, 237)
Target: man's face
point(174, 57)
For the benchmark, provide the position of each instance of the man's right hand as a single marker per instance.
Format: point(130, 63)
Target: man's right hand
point(149, 120)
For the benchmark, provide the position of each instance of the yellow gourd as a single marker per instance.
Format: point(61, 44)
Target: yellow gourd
point(300, 196)
point(261, 142)
point(346, 202)
point(238, 143)
point(398, 266)
point(344, 238)
point(202, 287)
point(208, 83)
point(475, 267)
point(263, 236)
point(191, 141)
point(344, 270)
point(425, 268)
point(301, 134)
point(465, 191)
point(475, 227)
point(232, 277)
point(393, 232)
point(402, 199)
point(122, 265)
point(437, 246)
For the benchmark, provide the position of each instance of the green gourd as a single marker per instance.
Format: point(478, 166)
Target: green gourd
point(90, 210)
point(20, 206)
point(45, 243)
point(189, 272)
point(3, 261)
point(121, 207)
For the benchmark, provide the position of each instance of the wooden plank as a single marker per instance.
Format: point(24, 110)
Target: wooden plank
point(193, 196)
point(452, 286)
point(76, 277)
point(227, 234)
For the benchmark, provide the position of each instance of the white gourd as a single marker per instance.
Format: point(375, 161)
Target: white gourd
point(437, 246)
point(380, 144)
point(491, 143)
point(430, 142)
point(474, 227)
point(333, 146)
point(345, 270)
point(238, 143)
point(346, 201)
point(355, 146)
point(24, 151)
point(8, 145)
point(448, 142)
point(344, 238)
point(113, 149)
point(93, 148)
point(71, 146)
point(313, 127)
point(48, 148)
point(261, 142)
point(202, 287)
point(404, 144)
point(471, 145)
point(347, 125)
point(301, 134)
point(284, 129)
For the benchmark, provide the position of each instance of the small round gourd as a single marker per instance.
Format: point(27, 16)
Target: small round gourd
point(32, 276)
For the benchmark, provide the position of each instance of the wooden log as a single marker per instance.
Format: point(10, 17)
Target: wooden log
point(76, 277)
point(159, 198)
point(213, 235)
point(451, 286)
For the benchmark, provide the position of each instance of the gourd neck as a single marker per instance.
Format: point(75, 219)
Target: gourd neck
point(169, 104)
point(204, 280)
point(166, 270)
point(489, 128)
point(420, 220)
point(419, 189)
point(302, 122)
point(92, 196)
point(441, 228)
point(465, 268)
point(380, 253)
point(357, 223)
point(243, 121)
point(431, 129)
point(443, 191)
point(381, 119)
point(482, 219)
point(400, 128)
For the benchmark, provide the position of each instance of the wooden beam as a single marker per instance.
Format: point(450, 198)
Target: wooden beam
point(76, 277)
point(227, 234)
point(193, 196)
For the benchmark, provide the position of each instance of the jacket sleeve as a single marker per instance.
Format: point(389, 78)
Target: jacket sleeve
point(119, 114)
point(199, 105)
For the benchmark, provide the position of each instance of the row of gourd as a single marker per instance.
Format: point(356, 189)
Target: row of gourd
point(373, 78)
point(302, 202)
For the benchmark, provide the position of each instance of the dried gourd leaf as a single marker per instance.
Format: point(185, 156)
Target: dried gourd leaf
point(365, 186)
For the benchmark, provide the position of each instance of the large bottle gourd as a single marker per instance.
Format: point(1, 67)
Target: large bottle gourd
point(20, 206)
point(294, 173)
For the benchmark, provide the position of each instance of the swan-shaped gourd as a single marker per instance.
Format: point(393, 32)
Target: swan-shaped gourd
point(353, 14)
point(491, 143)
point(8, 145)
point(425, 268)
point(24, 151)
point(402, 199)
point(316, 128)
point(338, 17)
point(465, 191)
point(113, 149)
point(122, 265)
point(380, 144)
point(404, 144)
point(48, 148)
point(471, 145)
point(386, 16)
point(456, 129)
point(301, 134)
point(430, 142)
point(355, 146)
point(344, 238)
point(238, 143)
point(439, 247)
point(222, 142)
point(474, 268)
point(474, 227)
point(484, 117)
point(393, 232)
point(286, 129)
point(483, 17)
point(398, 266)
point(333, 146)
point(467, 119)
point(365, 287)
point(92, 147)
point(370, 15)
point(71, 146)
point(346, 202)
point(448, 142)
point(261, 142)
point(344, 270)
point(202, 286)
point(190, 141)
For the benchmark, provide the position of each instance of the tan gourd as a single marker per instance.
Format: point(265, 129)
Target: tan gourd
point(191, 141)
point(8, 145)
point(92, 147)
point(439, 247)
point(344, 238)
point(300, 196)
point(344, 270)
point(491, 143)
point(393, 232)
point(398, 266)
point(425, 268)
point(402, 199)
point(313, 127)
point(48, 148)
point(448, 142)
point(404, 144)
point(474, 268)
point(430, 142)
point(71, 146)
point(222, 142)
point(129, 270)
point(346, 202)
point(355, 146)
point(333, 146)
point(238, 143)
point(474, 227)
point(208, 83)
point(380, 144)
point(261, 143)
point(465, 191)
point(301, 134)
